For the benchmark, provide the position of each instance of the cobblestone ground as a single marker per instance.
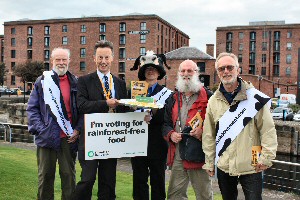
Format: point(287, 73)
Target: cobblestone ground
point(124, 165)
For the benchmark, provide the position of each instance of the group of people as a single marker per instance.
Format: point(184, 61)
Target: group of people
point(232, 122)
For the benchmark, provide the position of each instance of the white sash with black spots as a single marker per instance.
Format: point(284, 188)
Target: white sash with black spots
point(54, 99)
point(237, 117)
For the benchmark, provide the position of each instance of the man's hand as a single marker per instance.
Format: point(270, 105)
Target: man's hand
point(260, 167)
point(112, 103)
point(176, 137)
point(197, 133)
point(147, 118)
point(210, 173)
point(74, 137)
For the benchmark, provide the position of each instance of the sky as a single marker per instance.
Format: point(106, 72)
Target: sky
point(197, 18)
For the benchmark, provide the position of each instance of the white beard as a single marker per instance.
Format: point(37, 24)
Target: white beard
point(60, 71)
point(192, 85)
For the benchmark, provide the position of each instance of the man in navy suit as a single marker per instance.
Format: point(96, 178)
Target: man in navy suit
point(154, 164)
point(98, 93)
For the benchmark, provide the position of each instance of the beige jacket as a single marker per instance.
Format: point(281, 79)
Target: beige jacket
point(260, 131)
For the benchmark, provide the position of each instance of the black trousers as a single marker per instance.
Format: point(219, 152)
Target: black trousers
point(142, 167)
point(106, 179)
point(251, 185)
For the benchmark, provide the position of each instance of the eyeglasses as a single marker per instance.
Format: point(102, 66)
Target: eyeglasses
point(228, 67)
point(189, 71)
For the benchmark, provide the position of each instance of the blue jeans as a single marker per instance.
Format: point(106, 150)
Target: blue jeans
point(251, 184)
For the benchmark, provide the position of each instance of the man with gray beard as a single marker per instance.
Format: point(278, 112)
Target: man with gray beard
point(185, 155)
point(54, 120)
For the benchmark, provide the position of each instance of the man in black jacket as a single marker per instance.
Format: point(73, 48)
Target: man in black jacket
point(154, 164)
point(98, 93)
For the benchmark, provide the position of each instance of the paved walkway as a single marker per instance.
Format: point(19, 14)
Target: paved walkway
point(125, 166)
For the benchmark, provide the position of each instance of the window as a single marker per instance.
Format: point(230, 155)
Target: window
point(13, 54)
point(263, 71)
point(264, 46)
point(47, 30)
point(82, 53)
point(158, 26)
point(64, 28)
point(276, 58)
point(122, 53)
point(13, 80)
point(13, 31)
point(229, 36)
point(289, 46)
point(158, 39)
point(82, 40)
point(201, 67)
point(47, 66)
point(142, 51)
point(122, 27)
point(65, 40)
point(13, 42)
point(240, 58)
point(277, 35)
point(143, 38)
point(241, 46)
point(102, 37)
point(29, 54)
point(252, 69)
point(47, 41)
point(288, 59)
point(252, 58)
point(275, 70)
point(29, 41)
point(265, 34)
point(241, 35)
point(82, 66)
point(12, 65)
point(83, 28)
point(252, 35)
point(46, 54)
point(143, 26)
point(29, 30)
point(288, 71)
point(241, 69)
point(228, 47)
point(122, 39)
point(252, 46)
point(276, 46)
point(264, 58)
point(102, 28)
point(122, 67)
point(289, 34)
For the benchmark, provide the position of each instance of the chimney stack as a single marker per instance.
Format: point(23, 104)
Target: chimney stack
point(210, 49)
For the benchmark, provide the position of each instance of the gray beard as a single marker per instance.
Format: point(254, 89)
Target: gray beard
point(193, 85)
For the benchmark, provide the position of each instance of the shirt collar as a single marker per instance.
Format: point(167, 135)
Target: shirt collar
point(151, 89)
point(101, 75)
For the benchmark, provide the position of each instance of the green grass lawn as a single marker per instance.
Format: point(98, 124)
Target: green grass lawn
point(18, 177)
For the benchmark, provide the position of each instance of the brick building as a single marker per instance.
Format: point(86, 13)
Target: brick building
point(267, 53)
point(131, 35)
point(1, 48)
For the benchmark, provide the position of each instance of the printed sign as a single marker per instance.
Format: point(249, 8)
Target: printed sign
point(139, 88)
point(196, 121)
point(115, 135)
point(139, 32)
point(256, 151)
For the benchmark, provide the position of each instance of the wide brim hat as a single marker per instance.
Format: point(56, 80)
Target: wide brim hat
point(150, 60)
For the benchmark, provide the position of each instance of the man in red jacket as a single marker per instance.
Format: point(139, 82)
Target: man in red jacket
point(185, 154)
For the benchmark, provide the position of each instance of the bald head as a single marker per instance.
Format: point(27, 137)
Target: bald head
point(189, 64)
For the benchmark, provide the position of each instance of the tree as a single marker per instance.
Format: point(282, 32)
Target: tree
point(29, 71)
point(2, 73)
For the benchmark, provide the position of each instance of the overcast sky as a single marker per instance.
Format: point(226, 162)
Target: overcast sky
point(197, 18)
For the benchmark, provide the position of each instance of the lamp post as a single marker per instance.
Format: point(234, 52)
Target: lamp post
point(259, 80)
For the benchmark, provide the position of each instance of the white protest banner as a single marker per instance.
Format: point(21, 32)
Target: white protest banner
point(115, 135)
